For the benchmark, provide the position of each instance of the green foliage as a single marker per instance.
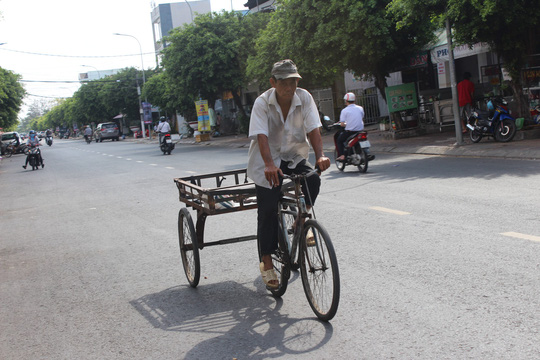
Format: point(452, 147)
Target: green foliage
point(11, 99)
point(207, 58)
point(326, 38)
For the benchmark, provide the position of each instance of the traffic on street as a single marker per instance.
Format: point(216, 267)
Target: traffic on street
point(438, 258)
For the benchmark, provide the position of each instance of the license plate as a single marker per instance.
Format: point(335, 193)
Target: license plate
point(365, 144)
point(168, 141)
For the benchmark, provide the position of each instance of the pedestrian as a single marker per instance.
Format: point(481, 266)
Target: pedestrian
point(280, 119)
point(465, 90)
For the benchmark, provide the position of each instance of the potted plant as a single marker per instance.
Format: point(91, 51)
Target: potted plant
point(384, 124)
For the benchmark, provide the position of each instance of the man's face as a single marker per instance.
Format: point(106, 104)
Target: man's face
point(285, 88)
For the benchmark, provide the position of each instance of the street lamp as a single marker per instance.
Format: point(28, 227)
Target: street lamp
point(144, 82)
point(191, 11)
point(99, 75)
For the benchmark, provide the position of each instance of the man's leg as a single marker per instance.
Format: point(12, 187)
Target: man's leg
point(267, 222)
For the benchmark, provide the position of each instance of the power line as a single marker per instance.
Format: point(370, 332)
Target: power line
point(74, 56)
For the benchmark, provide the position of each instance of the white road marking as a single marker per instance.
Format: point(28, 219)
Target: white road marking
point(140, 161)
point(119, 157)
point(169, 167)
point(152, 164)
point(522, 236)
point(128, 159)
point(391, 211)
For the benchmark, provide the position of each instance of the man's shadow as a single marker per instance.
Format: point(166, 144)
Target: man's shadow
point(242, 323)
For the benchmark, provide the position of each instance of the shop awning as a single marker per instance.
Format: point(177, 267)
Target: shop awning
point(439, 49)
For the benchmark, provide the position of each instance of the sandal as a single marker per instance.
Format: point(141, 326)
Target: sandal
point(267, 276)
point(310, 238)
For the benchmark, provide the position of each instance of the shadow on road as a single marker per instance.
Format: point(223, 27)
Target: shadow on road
point(229, 323)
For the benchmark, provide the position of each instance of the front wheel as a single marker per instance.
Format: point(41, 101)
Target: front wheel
point(319, 271)
point(505, 130)
point(8, 152)
point(476, 136)
point(189, 249)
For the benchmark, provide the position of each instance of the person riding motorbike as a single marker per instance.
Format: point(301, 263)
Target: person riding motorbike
point(87, 133)
point(352, 119)
point(163, 128)
point(33, 140)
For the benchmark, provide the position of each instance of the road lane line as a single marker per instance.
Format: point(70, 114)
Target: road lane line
point(522, 236)
point(152, 164)
point(391, 211)
point(169, 167)
point(140, 161)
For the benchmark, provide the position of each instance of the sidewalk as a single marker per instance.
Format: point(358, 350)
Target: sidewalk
point(525, 145)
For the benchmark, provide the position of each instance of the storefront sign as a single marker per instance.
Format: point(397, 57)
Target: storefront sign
point(440, 54)
point(401, 97)
point(418, 60)
point(147, 112)
point(203, 115)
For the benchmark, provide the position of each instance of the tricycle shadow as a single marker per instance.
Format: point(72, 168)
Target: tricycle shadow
point(233, 321)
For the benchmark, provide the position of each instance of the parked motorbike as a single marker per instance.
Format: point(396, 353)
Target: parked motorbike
point(34, 156)
point(496, 122)
point(88, 139)
point(166, 143)
point(11, 149)
point(356, 150)
point(49, 140)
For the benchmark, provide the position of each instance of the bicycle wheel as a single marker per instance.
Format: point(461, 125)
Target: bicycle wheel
point(319, 271)
point(280, 260)
point(288, 216)
point(8, 153)
point(189, 249)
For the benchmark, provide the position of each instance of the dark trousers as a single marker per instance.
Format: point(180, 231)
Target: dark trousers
point(341, 137)
point(267, 205)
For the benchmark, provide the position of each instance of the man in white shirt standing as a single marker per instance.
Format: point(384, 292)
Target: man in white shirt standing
point(352, 119)
point(280, 119)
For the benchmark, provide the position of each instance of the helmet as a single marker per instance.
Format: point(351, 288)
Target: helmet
point(162, 118)
point(350, 97)
point(31, 132)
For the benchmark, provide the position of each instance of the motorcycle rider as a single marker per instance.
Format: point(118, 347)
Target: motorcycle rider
point(88, 133)
point(352, 119)
point(163, 128)
point(33, 140)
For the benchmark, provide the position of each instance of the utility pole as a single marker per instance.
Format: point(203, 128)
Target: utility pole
point(455, 104)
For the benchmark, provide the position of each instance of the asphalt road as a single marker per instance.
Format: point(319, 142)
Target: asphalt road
point(439, 259)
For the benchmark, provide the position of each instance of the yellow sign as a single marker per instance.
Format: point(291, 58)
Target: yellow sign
point(202, 115)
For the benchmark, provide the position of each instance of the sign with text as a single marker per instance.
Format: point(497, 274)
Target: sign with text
point(401, 97)
point(147, 112)
point(203, 116)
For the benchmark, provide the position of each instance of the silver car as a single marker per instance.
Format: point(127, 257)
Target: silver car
point(106, 131)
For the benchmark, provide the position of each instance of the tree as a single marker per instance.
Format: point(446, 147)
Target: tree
point(326, 37)
point(11, 98)
point(209, 57)
point(507, 26)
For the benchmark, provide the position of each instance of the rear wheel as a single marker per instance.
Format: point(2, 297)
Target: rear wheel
point(362, 167)
point(189, 249)
point(288, 216)
point(8, 152)
point(281, 263)
point(339, 164)
point(505, 130)
point(320, 272)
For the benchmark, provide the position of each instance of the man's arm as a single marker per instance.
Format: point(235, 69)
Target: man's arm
point(322, 162)
point(271, 171)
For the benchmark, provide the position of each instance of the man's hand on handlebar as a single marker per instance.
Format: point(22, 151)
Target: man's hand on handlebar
point(272, 174)
point(322, 163)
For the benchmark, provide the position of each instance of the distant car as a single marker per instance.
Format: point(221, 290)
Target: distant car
point(106, 131)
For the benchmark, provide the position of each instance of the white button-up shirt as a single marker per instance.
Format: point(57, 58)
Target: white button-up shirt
point(286, 138)
point(353, 115)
